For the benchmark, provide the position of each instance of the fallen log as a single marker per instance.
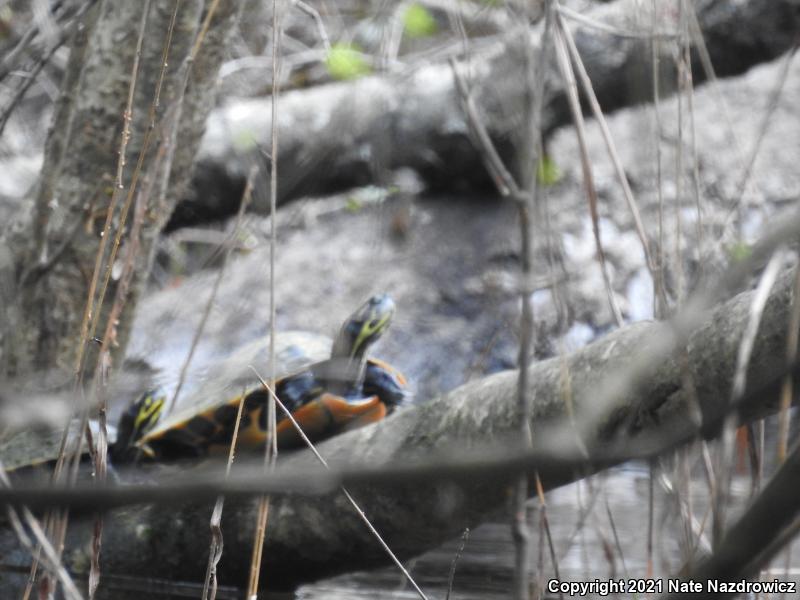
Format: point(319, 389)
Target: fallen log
point(340, 135)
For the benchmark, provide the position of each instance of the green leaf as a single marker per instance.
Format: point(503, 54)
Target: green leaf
point(244, 140)
point(419, 22)
point(345, 61)
point(353, 205)
point(547, 172)
point(740, 251)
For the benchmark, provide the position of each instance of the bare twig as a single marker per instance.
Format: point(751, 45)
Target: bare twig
point(30, 77)
point(503, 180)
point(451, 577)
point(774, 100)
point(571, 87)
point(314, 14)
point(525, 195)
point(696, 34)
point(59, 524)
point(210, 583)
point(109, 336)
point(725, 458)
point(588, 90)
point(101, 376)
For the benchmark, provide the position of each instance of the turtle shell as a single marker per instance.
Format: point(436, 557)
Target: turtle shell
point(194, 434)
point(32, 453)
point(230, 377)
point(205, 421)
point(32, 447)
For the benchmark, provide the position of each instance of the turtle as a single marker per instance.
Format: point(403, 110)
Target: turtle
point(326, 396)
point(342, 392)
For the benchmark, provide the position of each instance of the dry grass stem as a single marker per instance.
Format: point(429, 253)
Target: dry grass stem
point(772, 106)
point(210, 584)
point(503, 180)
point(699, 43)
point(571, 87)
point(271, 445)
point(545, 523)
point(661, 304)
point(597, 111)
point(314, 14)
point(451, 577)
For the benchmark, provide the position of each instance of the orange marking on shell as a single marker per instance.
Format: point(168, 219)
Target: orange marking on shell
point(375, 414)
point(384, 365)
point(313, 419)
point(251, 437)
point(343, 412)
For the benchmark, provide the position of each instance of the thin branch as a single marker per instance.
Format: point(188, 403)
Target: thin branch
point(210, 584)
point(30, 77)
point(314, 14)
point(571, 87)
point(505, 183)
point(451, 577)
point(772, 106)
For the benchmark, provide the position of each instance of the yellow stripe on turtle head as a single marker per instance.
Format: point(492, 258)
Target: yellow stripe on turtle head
point(150, 408)
point(364, 327)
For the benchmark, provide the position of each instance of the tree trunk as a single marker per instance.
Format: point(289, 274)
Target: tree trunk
point(49, 252)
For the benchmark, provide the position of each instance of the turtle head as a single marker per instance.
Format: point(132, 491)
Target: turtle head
point(139, 418)
point(363, 328)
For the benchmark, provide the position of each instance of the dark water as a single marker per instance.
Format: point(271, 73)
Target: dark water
point(583, 519)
